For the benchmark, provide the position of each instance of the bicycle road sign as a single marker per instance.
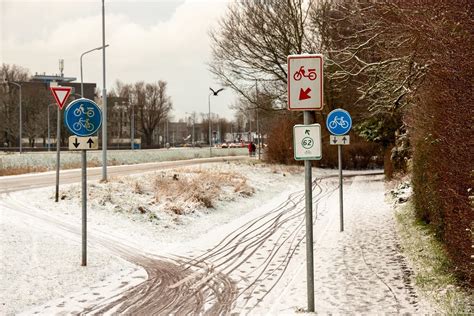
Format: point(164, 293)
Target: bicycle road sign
point(307, 142)
point(339, 122)
point(83, 117)
point(305, 82)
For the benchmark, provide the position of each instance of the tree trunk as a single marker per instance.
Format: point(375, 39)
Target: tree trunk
point(387, 162)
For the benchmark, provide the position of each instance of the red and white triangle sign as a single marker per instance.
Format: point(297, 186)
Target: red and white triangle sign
point(61, 94)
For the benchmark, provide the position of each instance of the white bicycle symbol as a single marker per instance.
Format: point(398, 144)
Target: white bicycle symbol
point(83, 124)
point(338, 121)
point(80, 110)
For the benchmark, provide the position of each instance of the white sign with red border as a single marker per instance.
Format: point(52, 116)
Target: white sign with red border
point(60, 94)
point(305, 82)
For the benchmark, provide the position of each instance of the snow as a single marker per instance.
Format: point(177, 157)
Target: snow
point(40, 262)
point(114, 157)
point(359, 270)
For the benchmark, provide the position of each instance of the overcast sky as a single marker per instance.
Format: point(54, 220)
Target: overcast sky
point(149, 40)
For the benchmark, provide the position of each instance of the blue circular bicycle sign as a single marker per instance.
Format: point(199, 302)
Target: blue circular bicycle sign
point(83, 117)
point(339, 122)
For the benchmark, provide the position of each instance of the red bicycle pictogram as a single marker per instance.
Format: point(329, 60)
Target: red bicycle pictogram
point(301, 73)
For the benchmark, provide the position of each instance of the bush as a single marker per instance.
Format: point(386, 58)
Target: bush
point(440, 123)
point(360, 154)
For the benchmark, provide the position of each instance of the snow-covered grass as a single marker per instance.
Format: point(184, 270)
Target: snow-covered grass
point(39, 262)
point(163, 197)
point(433, 270)
point(14, 163)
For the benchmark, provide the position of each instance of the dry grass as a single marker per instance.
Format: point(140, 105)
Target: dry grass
point(21, 170)
point(200, 187)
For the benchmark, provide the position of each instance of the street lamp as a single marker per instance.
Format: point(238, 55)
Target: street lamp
point(21, 129)
point(214, 93)
point(49, 131)
point(194, 120)
point(94, 49)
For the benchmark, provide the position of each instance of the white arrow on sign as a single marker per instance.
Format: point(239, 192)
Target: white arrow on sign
point(83, 143)
point(339, 140)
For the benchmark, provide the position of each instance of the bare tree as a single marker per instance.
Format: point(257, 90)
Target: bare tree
point(9, 96)
point(151, 103)
point(253, 41)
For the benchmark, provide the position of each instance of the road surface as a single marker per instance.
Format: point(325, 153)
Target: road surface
point(44, 179)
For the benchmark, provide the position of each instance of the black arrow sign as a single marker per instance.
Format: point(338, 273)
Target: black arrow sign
point(335, 140)
point(76, 144)
point(90, 142)
point(344, 139)
point(306, 131)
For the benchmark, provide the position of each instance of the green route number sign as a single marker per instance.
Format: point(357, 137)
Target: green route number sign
point(307, 142)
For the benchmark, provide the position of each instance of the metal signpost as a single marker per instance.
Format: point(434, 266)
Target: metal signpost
point(60, 94)
point(339, 123)
point(305, 93)
point(83, 118)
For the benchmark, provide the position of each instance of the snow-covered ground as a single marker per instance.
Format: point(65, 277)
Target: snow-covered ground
point(357, 271)
point(47, 160)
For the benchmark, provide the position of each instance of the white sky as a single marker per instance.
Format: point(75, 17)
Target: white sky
point(149, 40)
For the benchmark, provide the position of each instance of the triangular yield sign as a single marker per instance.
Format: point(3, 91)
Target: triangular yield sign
point(61, 94)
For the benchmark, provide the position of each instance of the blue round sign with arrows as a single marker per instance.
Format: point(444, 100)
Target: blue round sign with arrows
point(339, 122)
point(83, 117)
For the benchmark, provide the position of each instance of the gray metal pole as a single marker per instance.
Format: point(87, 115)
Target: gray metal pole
point(58, 139)
point(194, 118)
point(309, 225)
point(210, 130)
point(82, 81)
point(341, 207)
point(132, 126)
point(49, 132)
point(84, 207)
point(21, 127)
point(104, 98)
point(258, 127)
point(58, 145)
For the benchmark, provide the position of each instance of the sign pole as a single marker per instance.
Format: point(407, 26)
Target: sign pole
point(341, 206)
point(58, 145)
point(309, 225)
point(84, 207)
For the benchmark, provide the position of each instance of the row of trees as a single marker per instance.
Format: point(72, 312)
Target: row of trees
point(152, 108)
point(149, 102)
point(395, 65)
point(33, 105)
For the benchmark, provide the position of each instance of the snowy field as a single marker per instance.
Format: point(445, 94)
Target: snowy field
point(358, 271)
point(71, 159)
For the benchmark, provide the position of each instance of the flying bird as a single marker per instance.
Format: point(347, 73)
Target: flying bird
point(216, 92)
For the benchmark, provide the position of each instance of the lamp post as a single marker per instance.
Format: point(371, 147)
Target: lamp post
point(49, 130)
point(256, 108)
point(214, 93)
point(104, 101)
point(82, 55)
point(132, 126)
point(21, 127)
point(193, 115)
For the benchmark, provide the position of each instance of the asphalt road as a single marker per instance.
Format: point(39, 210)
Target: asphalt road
point(44, 179)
